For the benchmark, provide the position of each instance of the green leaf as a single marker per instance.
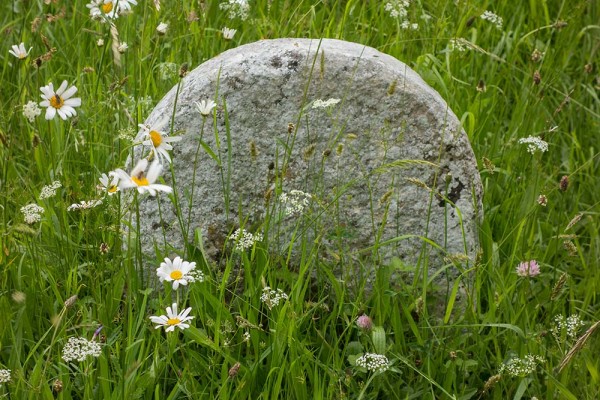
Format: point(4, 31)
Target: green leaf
point(378, 336)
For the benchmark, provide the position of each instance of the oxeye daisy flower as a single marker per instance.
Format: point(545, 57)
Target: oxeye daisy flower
point(144, 182)
point(228, 33)
point(109, 183)
point(125, 5)
point(59, 101)
point(158, 140)
point(173, 319)
point(175, 271)
point(19, 51)
point(104, 9)
point(205, 107)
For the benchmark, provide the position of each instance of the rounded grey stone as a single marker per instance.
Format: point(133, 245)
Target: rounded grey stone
point(391, 172)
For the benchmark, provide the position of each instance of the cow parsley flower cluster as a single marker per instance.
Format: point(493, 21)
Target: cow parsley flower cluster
point(244, 239)
point(31, 111)
point(458, 44)
point(570, 326)
point(272, 297)
point(50, 190)
point(534, 144)
point(79, 348)
point(236, 8)
point(397, 8)
point(32, 213)
point(295, 202)
point(195, 276)
point(521, 367)
point(4, 376)
point(373, 362)
point(496, 20)
point(325, 103)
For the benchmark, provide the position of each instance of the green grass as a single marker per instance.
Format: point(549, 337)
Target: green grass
point(305, 347)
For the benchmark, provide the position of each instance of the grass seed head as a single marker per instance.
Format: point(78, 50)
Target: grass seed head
point(564, 183)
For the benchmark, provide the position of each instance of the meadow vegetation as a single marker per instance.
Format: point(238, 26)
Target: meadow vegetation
point(80, 315)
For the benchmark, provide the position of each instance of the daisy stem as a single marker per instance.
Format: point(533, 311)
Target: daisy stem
point(138, 244)
point(175, 197)
point(191, 200)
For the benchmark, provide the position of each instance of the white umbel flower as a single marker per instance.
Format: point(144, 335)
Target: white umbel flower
point(50, 190)
point(295, 202)
point(80, 348)
point(173, 319)
point(325, 103)
point(244, 239)
point(236, 8)
point(493, 18)
point(32, 213)
point(59, 101)
point(176, 271)
point(534, 144)
point(31, 110)
point(373, 362)
point(158, 140)
point(144, 182)
point(19, 51)
point(4, 375)
point(272, 298)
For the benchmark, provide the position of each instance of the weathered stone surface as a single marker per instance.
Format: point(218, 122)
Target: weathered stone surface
point(390, 159)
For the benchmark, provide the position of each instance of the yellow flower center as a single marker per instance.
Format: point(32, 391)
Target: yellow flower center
point(156, 138)
point(140, 179)
point(22, 56)
point(56, 101)
point(176, 275)
point(112, 189)
point(173, 321)
point(107, 7)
